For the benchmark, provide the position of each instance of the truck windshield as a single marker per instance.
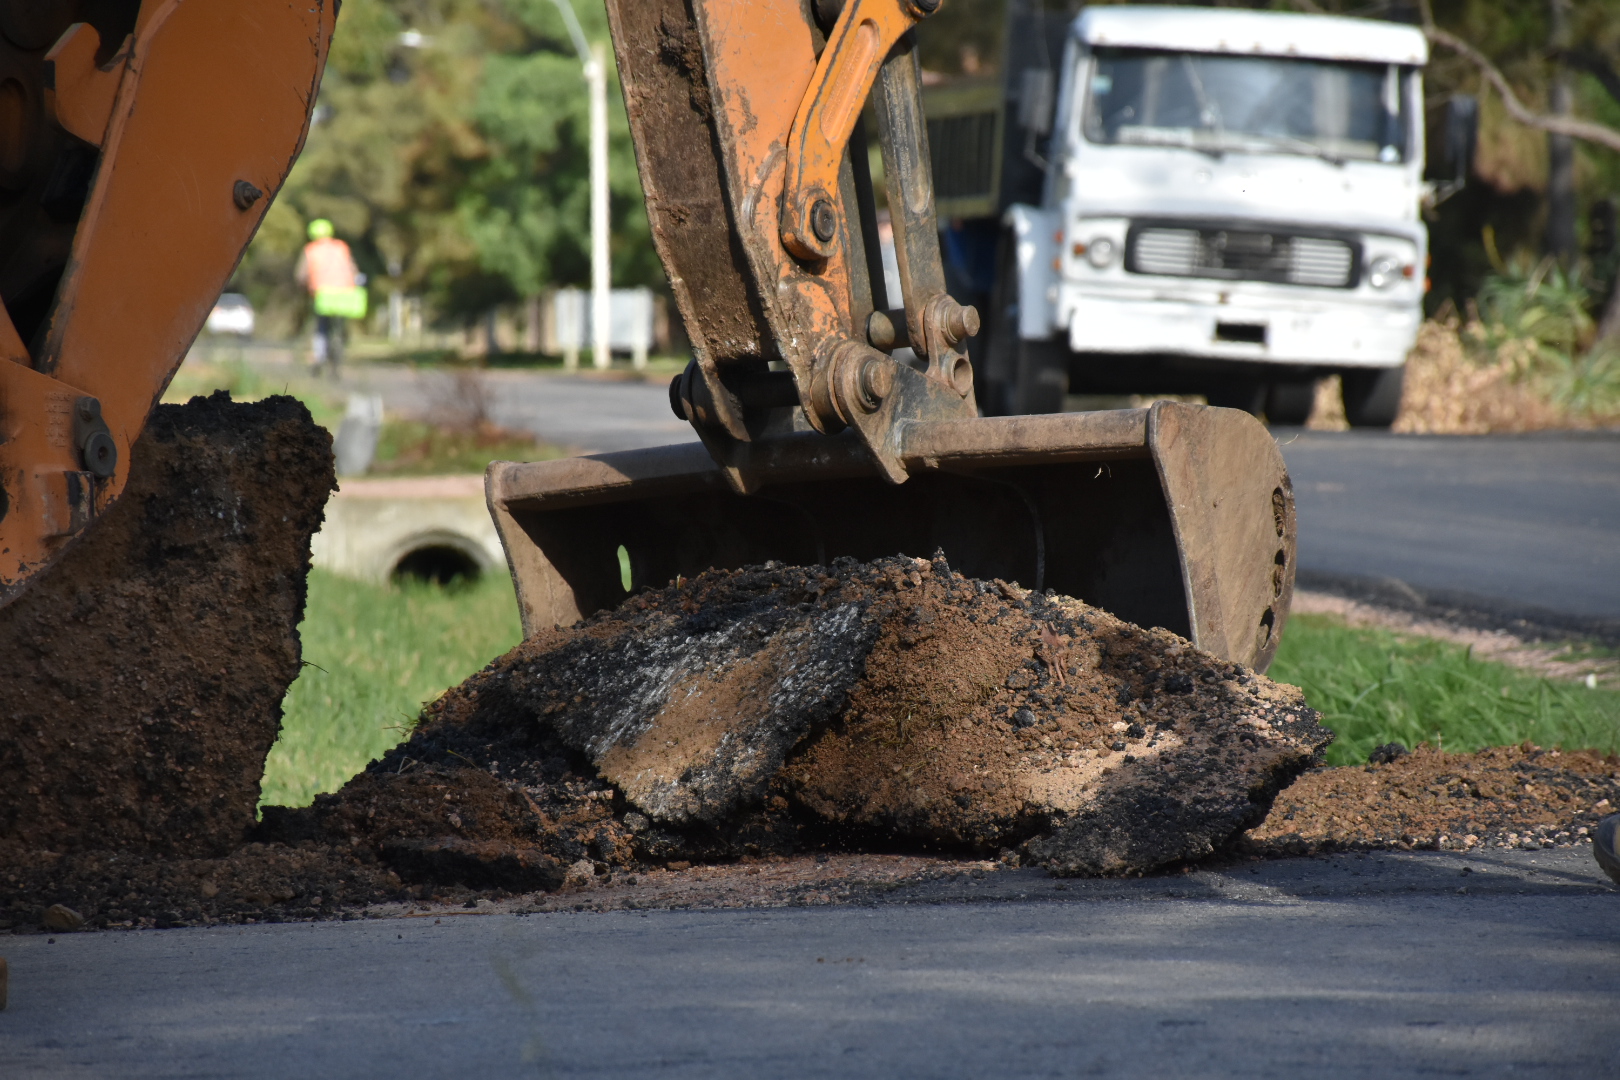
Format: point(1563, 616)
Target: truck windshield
point(1215, 103)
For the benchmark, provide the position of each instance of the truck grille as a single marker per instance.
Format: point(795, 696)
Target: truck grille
point(1242, 255)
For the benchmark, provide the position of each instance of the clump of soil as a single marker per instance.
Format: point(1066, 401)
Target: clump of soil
point(1509, 796)
point(143, 673)
point(884, 705)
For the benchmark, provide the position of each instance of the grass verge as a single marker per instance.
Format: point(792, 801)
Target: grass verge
point(415, 448)
point(374, 654)
point(1373, 687)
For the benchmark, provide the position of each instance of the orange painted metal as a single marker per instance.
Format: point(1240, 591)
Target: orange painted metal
point(212, 104)
point(761, 59)
point(865, 32)
point(80, 95)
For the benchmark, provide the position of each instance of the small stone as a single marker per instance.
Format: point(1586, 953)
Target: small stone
point(1388, 752)
point(1605, 848)
point(61, 917)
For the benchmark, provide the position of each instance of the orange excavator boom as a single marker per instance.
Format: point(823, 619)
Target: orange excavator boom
point(137, 159)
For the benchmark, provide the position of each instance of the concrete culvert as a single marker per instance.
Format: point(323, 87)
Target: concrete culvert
point(440, 564)
point(376, 528)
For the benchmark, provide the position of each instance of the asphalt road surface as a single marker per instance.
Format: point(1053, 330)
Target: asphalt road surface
point(1527, 520)
point(1521, 521)
point(585, 412)
point(1491, 965)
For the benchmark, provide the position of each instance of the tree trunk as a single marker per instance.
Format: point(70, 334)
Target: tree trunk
point(1609, 326)
point(1560, 240)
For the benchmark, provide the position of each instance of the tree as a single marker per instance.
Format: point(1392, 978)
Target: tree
point(449, 149)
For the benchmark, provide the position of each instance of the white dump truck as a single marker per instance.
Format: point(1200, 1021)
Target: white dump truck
point(1191, 200)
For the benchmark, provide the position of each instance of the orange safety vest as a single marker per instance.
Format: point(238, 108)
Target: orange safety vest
point(328, 265)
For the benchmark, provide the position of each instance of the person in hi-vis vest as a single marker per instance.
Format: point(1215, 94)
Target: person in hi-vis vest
point(335, 285)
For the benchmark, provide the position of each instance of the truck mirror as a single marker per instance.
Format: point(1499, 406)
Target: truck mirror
point(1035, 101)
point(1462, 134)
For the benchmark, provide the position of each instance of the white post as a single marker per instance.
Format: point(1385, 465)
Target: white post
point(601, 267)
point(641, 330)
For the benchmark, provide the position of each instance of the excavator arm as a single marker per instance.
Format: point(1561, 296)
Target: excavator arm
point(139, 150)
point(820, 438)
point(802, 213)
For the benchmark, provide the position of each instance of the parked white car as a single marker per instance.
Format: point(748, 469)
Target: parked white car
point(232, 314)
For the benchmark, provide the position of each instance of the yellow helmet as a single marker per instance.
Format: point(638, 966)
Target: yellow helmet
point(320, 229)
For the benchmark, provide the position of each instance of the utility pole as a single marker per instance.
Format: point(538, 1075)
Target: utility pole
point(594, 59)
point(601, 266)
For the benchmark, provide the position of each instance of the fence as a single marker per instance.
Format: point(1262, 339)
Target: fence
point(566, 324)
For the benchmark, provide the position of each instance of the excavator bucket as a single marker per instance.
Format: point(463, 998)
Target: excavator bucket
point(834, 425)
point(1177, 516)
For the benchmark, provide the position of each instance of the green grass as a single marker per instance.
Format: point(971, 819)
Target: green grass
point(1374, 687)
point(374, 655)
point(415, 448)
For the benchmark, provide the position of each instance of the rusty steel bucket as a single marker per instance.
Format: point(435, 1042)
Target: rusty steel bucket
point(1178, 516)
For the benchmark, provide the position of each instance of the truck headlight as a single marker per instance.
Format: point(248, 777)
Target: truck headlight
point(1100, 252)
point(1385, 271)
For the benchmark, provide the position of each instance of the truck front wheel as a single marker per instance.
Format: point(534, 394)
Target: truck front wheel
point(1043, 377)
point(1372, 398)
point(1248, 395)
point(1289, 402)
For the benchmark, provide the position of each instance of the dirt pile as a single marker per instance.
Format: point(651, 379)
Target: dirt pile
point(1509, 796)
point(885, 705)
point(600, 766)
point(142, 677)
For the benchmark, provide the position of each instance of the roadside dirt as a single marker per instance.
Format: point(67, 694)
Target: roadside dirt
point(1451, 389)
point(883, 706)
point(1510, 796)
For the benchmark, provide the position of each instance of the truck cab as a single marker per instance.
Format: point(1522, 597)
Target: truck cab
point(1229, 205)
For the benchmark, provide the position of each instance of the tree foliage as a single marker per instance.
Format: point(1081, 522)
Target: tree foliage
point(450, 150)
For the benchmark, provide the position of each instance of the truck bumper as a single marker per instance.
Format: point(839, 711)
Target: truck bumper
point(1251, 331)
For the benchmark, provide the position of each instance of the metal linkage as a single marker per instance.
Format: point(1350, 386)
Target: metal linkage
point(803, 215)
